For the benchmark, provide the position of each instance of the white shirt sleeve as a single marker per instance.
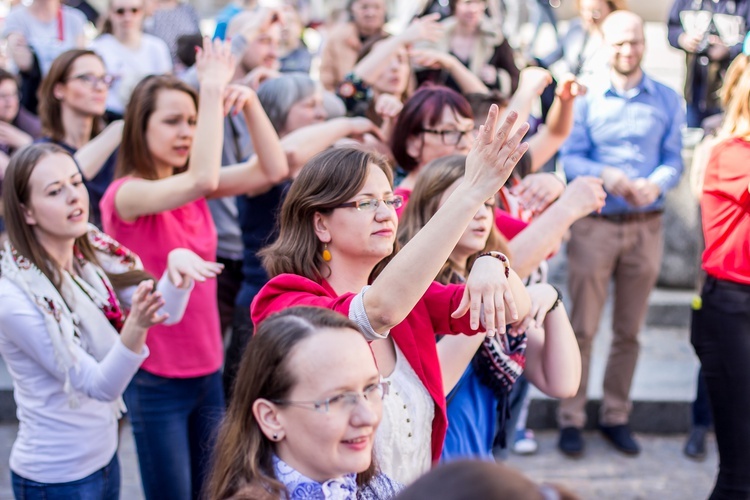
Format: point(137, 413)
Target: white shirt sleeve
point(358, 314)
point(23, 326)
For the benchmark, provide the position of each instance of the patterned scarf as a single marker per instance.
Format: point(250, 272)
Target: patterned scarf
point(301, 487)
point(86, 313)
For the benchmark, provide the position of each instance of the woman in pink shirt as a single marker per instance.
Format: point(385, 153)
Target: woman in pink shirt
point(169, 163)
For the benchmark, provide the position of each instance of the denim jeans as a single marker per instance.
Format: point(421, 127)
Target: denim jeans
point(174, 424)
point(103, 484)
point(720, 334)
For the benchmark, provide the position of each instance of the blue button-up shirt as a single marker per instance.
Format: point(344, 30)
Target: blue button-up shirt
point(639, 132)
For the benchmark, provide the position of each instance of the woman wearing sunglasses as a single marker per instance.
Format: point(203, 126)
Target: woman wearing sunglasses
point(128, 53)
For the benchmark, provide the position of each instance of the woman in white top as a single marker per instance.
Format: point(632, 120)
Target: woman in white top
point(64, 336)
point(128, 53)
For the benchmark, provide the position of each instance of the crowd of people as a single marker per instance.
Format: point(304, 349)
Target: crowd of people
point(322, 273)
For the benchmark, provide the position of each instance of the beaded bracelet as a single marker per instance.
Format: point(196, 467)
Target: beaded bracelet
point(499, 256)
point(559, 298)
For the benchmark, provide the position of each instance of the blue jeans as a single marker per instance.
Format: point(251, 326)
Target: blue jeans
point(103, 484)
point(174, 423)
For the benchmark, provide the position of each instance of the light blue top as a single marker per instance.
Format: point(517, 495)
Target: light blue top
point(639, 132)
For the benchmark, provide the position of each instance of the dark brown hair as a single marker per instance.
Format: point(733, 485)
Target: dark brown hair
point(6, 75)
point(327, 180)
point(50, 108)
point(134, 157)
point(480, 479)
point(243, 466)
point(16, 194)
point(424, 108)
point(434, 179)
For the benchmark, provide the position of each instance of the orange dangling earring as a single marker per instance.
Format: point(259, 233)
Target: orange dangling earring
point(326, 253)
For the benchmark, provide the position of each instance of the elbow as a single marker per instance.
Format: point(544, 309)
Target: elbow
point(563, 390)
point(206, 186)
point(278, 175)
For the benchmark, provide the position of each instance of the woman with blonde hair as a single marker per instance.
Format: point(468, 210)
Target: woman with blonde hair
point(721, 326)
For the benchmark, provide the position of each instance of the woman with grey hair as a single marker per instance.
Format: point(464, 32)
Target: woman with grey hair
point(295, 105)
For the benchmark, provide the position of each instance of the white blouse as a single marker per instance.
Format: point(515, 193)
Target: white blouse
point(403, 443)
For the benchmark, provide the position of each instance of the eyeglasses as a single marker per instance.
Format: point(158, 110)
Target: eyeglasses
point(122, 10)
point(93, 80)
point(450, 137)
point(372, 204)
point(344, 402)
point(9, 97)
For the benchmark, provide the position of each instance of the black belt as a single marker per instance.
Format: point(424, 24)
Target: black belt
point(629, 216)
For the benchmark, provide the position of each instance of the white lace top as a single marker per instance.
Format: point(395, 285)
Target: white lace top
point(403, 441)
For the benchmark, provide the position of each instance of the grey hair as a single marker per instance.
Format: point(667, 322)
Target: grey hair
point(278, 95)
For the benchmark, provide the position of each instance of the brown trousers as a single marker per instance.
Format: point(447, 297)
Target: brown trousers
point(598, 251)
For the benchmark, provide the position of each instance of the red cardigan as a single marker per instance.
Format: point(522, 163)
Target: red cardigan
point(415, 336)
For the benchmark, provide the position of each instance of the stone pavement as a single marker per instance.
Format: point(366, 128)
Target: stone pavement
point(660, 472)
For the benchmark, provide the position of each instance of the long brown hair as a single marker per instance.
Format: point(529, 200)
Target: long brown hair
point(50, 107)
point(134, 157)
point(243, 465)
point(436, 177)
point(327, 180)
point(16, 194)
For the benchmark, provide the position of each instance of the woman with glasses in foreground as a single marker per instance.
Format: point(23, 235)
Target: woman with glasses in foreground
point(305, 407)
point(337, 249)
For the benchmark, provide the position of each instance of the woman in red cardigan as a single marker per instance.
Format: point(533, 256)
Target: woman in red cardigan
point(336, 250)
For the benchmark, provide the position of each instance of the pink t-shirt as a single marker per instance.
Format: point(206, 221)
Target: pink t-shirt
point(192, 347)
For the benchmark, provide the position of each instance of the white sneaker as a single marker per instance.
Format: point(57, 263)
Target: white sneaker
point(525, 444)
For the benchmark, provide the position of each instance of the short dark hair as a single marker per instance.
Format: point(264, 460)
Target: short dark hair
point(7, 75)
point(424, 107)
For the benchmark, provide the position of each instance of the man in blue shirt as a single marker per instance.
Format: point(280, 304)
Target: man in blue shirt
point(628, 132)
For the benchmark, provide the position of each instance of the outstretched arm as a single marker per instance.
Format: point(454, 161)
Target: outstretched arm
point(141, 196)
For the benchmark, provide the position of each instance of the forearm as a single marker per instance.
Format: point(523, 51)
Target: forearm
point(521, 103)
point(373, 65)
point(535, 243)
point(468, 81)
point(92, 157)
point(560, 118)
point(553, 359)
point(304, 143)
point(271, 154)
point(205, 158)
point(388, 301)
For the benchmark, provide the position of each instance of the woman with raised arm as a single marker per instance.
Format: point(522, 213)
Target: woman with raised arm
point(475, 394)
point(75, 310)
point(303, 415)
point(294, 105)
point(169, 163)
point(336, 249)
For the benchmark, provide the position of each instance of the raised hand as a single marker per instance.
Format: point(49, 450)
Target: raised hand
point(537, 191)
point(13, 137)
point(215, 63)
point(183, 266)
point(388, 105)
point(569, 88)
point(486, 296)
point(236, 97)
point(423, 29)
point(429, 58)
point(543, 297)
point(494, 154)
point(534, 79)
point(584, 195)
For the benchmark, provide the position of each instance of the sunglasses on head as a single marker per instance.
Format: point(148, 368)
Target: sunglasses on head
point(122, 10)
